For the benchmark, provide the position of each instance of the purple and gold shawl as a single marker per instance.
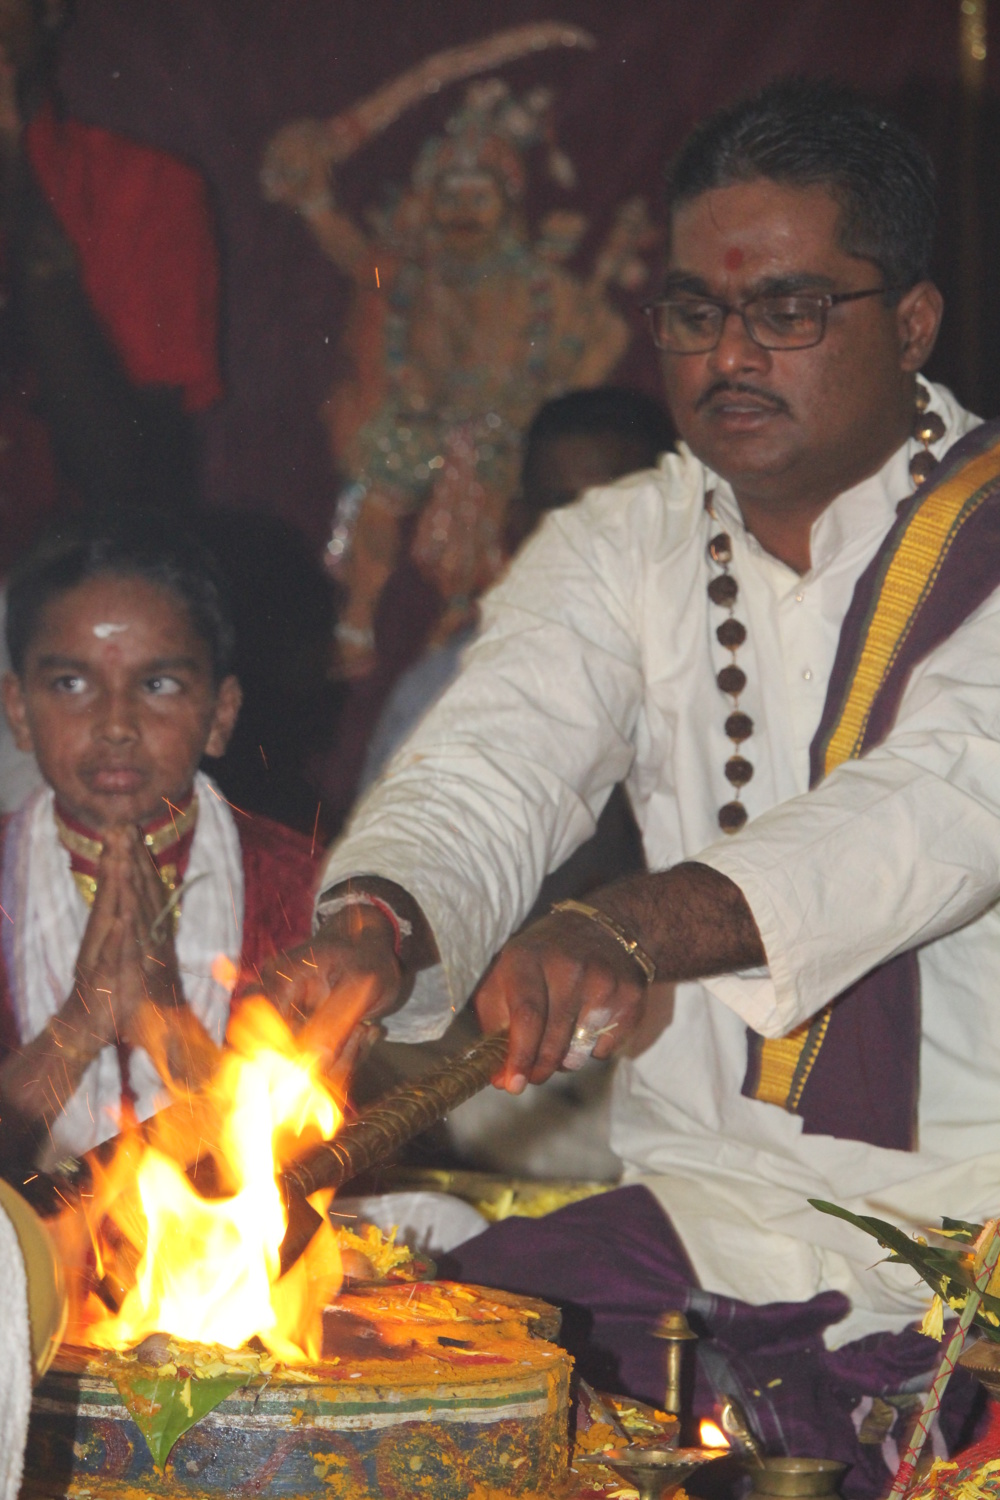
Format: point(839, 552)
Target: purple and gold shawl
point(853, 1070)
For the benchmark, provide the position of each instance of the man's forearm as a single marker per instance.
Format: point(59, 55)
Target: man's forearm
point(690, 920)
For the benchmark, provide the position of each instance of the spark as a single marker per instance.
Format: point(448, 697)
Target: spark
point(114, 1019)
point(263, 757)
point(10, 918)
point(283, 976)
point(377, 282)
point(220, 798)
point(173, 811)
point(312, 847)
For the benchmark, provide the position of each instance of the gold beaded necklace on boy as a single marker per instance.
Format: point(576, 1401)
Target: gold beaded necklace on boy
point(723, 590)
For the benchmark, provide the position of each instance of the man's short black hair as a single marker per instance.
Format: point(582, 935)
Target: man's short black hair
point(807, 133)
point(605, 409)
point(124, 544)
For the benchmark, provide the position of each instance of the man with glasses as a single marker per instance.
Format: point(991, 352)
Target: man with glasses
point(796, 667)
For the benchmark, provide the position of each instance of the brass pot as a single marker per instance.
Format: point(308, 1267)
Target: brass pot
point(796, 1476)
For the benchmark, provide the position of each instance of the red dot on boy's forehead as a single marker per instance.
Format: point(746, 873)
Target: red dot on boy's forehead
point(733, 258)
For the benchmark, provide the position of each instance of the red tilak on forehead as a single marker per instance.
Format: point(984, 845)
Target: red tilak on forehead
point(733, 259)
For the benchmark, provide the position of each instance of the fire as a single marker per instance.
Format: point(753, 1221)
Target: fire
point(710, 1435)
point(206, 1262)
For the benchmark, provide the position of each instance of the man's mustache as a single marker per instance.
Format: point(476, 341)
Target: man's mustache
point(741, 388)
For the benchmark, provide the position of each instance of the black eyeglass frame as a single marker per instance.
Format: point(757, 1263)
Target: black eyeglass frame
point(823, 301)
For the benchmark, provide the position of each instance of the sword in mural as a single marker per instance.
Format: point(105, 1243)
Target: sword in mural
point(339, 138)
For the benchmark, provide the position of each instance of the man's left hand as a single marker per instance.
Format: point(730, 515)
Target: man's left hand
point(562, 987)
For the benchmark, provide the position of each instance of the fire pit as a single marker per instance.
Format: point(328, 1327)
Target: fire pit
point(204, 1363)
point(438, 1390)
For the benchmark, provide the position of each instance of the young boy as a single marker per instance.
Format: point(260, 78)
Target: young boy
point(132, 896)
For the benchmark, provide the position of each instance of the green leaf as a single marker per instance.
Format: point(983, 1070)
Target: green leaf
point(939, 1266)
point(164, 1407)
point(963, 1227)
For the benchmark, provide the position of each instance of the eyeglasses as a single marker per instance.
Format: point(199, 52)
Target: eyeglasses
point(693, 325)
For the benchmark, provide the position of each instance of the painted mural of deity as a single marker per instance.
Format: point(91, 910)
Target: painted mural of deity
point(461, 325)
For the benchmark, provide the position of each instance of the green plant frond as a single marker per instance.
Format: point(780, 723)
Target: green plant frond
point(942, 1268)
point(960, 1229)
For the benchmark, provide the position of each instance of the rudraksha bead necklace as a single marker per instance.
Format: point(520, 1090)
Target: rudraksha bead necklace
point(723, 590)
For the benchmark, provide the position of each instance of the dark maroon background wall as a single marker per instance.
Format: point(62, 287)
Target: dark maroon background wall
point(212, 79)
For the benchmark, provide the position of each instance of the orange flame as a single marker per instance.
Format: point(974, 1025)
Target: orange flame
point(209, 1267)
point(711, 1435)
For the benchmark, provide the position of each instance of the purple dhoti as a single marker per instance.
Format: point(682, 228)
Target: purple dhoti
point(614, 1264)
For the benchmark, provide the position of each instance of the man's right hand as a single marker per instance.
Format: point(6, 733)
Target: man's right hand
point(348, 974)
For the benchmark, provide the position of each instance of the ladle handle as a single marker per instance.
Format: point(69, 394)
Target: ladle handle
point(397, 1118)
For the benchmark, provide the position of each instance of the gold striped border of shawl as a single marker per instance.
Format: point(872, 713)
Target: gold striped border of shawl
point(785, 1063)
point(922, 549)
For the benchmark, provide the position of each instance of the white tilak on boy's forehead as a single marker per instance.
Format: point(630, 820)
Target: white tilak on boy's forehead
point(103, 631)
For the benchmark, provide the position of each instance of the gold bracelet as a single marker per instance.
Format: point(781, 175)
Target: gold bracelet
point(619, 934)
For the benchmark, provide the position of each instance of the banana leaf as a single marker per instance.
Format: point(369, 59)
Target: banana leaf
point(940, 1266)
point(164, 1407)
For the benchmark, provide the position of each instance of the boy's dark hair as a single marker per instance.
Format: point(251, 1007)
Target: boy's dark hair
point(613, 410)
point(126, 544)
point(807, 133)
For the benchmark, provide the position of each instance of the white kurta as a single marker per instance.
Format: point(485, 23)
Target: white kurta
point(597, 662)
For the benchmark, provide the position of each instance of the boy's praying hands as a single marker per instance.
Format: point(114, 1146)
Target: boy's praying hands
point(128, 991)
point(134, 951)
